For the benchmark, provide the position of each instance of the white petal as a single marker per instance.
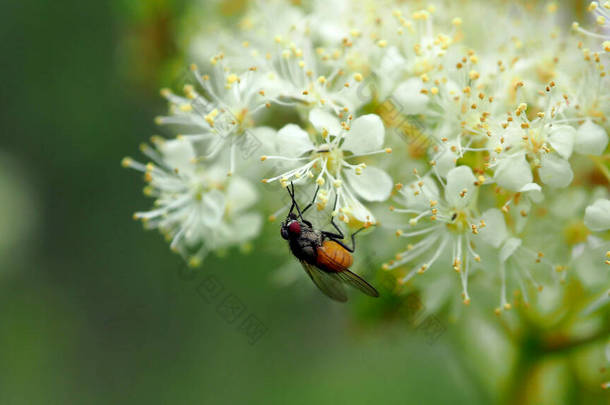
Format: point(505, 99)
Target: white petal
point(555, 171)
point(267, 137)
point(509, 247)
point(597, 215)
point(213, 207)
point(519, 220)
point(391, 67)
point(460, 186)
point(409, 98)
point(324, 120)
point(366, 135)
point(421, 201)
point(561, 139)
point(359, 211)
point(494, 232)
point(530, 187)
point(241, 194)
point(591, 139)
point(445, 161)
point(247, 227)
point(373, 184)
point(178, 154)
point(292, 141)
point(513, 173)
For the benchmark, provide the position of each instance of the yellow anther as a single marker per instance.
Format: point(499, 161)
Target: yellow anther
point(127, 161)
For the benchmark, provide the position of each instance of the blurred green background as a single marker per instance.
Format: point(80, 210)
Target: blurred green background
point(94, 310)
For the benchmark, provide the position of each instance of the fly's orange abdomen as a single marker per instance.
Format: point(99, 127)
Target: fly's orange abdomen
point(333, 257)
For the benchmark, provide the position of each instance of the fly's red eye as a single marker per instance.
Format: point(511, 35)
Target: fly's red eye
point(294, 228)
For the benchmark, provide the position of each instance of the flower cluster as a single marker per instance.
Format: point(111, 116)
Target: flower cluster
point(490, 150)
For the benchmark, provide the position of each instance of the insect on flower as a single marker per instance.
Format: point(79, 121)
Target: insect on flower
point(324, 256)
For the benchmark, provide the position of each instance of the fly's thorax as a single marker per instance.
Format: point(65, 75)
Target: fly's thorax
point(305, 246)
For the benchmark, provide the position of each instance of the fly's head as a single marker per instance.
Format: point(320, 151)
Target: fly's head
point(291, 227)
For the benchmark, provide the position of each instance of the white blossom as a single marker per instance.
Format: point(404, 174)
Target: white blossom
point(324, 158)
point(198, 209)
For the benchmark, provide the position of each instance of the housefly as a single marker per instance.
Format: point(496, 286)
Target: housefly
point(324, 255)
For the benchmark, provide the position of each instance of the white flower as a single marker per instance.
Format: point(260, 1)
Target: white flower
point(444, 222)
point(199, 209)
point(410, 98)
point(217, 118)
point(591, 139)
point(545, 143)
point(516, 262)
point(597, 215)
point(300, 75)
point(513, 173)
point(601, 15)
point(324, 158)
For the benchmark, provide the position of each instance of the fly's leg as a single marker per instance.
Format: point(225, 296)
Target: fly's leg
point(332, 220)
point(337, 239)
point(312, 200)
point(294, 201)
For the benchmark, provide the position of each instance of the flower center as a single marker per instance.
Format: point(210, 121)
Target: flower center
point(332, 155)
point(537, 140)
point(459, 222)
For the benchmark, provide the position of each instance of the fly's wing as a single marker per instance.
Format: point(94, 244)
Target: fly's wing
point(357, 282)
point(328, 283)
point(344, 275)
